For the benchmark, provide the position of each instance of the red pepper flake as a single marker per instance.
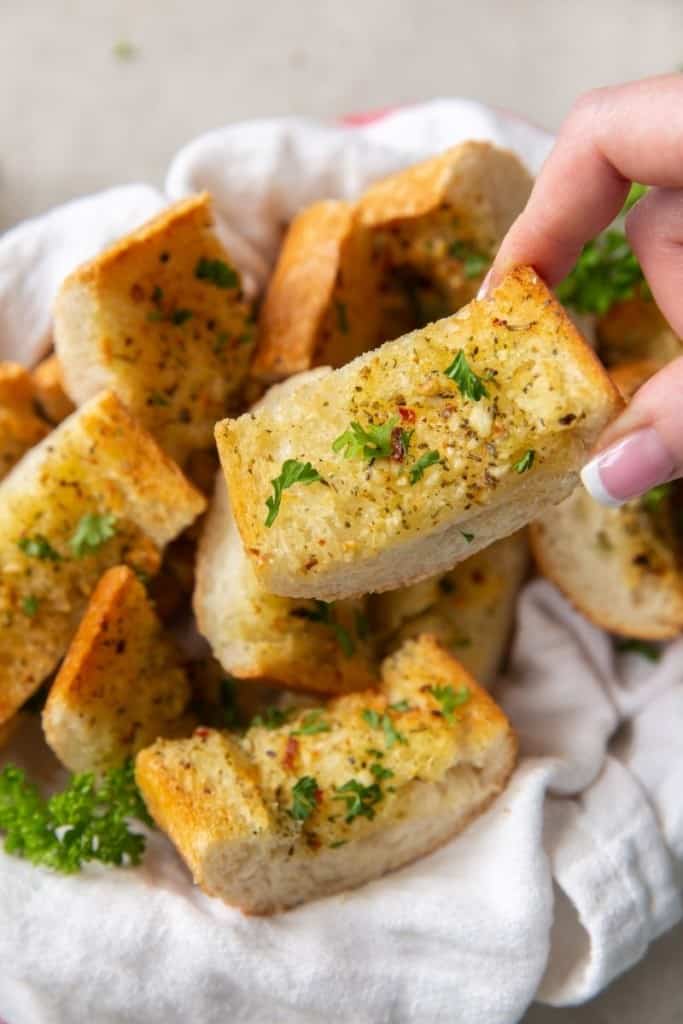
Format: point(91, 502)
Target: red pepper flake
point(406, 414)
point(202, 732)
point(398, 444)
point(291, 754)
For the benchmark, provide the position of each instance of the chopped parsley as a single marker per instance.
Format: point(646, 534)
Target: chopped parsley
point(305, 796)
point(30, 605)
point(653, 498)
point(380, 772)
point(449, 699)
point(312, 723)
point(606, 272)
point(342, 317)
point(180, 316)
point(216, 272)
point(471, 386)
point(293, 472)
point(400, 705)
point(92, 532)
point(87, 821)
point(526, 461)
point(271, 718)
point(469, 537)
point(474, 262)
point(38, 547)
point(424, 462)
point(373, 442)
point(384, 722)
point(631, 645)
point(324, 613)
point(360, 800)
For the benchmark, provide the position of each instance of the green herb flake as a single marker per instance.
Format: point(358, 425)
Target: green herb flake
point(526, 462)
point(384, 722)
point(92, 532)
point(373, 441)
point(271, 718)
point(450, 699)
point(380, 772)
point(30, 605)
point(424, 462)
point(470, 385)
point(606, 272)
point(400, 705)
point(180, 316)
point(216, 272)
point(631, 645)
point(85, 822)
point(469, 537)
point(360, 800)
point(293, 472)
point(311, 724)
point(635, 193)
point(652, 499)
point(39, 547)
point(474, 262)
point(305, 796)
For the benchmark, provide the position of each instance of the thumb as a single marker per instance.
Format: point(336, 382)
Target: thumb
point(644, 446)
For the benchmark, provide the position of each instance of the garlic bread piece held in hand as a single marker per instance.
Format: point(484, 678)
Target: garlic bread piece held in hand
point(621, 567)
point(413, 249)
point(417, 455)
point(339, 795)
point(302, 644)
point(97, 492)
point(160, 319)
point(470, 610)
point(20, 425)
point(122, 683)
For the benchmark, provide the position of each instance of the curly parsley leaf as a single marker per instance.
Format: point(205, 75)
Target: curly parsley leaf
point(380, 772)
point(631, 645)
point(526, 462)
point(381, 441)
point(305, 796)
point(311, 724)
point(38, 547)
point(360, 800)
point(471, 386)
point(424, 462)
point(384, 722)
point(293, 472)
point(85, 822)
point(449, 699)
point(92, 532)
point(474, 262)
point(606, 272)
point(217, 273)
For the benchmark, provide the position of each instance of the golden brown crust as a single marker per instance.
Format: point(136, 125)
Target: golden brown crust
point(160, 318)
point(635, 330)
point(48, 383)
point(20, 427)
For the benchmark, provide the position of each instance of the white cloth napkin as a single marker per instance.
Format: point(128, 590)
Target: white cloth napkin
point(556, 890)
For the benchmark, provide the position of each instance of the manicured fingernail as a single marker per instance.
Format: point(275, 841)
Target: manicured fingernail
point(484, 286)
point(628, 468)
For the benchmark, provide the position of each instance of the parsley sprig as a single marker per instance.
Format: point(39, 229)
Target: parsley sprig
point(311, 724)
point(652, 499)
point(91, 533)
point(372, 442)
point(449, 699)
point(384, 722)
point(524, 464)
point(271, 718)
point(360, 800)
point(38, 547)
point(85, 822)
point(293, 472)
point(424, 462)
point(470, 385)
point(216, 272)
point(305, 796)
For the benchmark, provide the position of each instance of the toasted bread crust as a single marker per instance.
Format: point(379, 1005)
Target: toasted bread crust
point(160, 319)
point(121, 684)
point(97, 463)
point(635, 330)
point(368, 529)
point(20, 426)
point(48, 384)
point(227, 804)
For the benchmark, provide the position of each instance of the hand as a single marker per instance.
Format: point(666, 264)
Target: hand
point(612, 137)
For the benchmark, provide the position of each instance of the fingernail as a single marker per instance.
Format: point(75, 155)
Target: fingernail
point(628, 468)
point(484, 286)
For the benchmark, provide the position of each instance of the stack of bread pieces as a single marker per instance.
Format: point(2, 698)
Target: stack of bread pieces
point(353, 563)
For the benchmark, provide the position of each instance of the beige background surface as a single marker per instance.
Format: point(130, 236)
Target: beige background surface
point(75, 116)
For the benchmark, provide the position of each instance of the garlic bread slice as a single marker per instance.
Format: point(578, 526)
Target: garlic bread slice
point(122, 683)
point(161, 320)
point(97, 492)
point(48, 384)
point(417, 455)
point(339, 795)
point(20, 425)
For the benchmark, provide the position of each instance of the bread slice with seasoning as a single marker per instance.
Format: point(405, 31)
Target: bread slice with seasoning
point(470, 610)
point(20, 425)
point(414, 248)
point(97, 492)
point(50, 396)
point(421, 453)
point(621, 567)
point(307, 645)
point(122, 683)
point(635, 330)
point(337, 796)
point(161, 320)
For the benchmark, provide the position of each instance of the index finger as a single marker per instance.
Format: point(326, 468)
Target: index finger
point(612, 136)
